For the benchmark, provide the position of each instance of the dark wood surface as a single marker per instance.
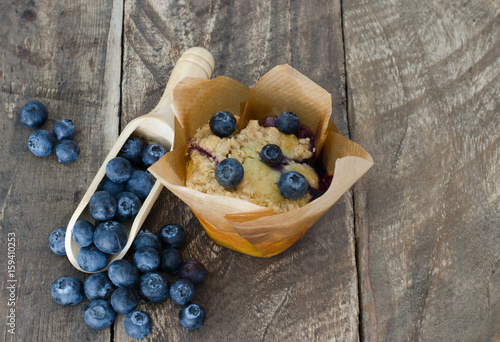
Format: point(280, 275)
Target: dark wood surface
point(410, 254)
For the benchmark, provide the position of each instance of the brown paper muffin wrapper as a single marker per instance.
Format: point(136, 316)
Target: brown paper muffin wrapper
point(238, 224)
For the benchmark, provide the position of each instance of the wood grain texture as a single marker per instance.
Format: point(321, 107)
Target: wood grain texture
point(424, 90)
point(308, 293)
point(67, 55)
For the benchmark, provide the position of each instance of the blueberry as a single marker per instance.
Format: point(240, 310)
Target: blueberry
point(64, 129)
point(98, 286)
point(229, 173)
point(194, 271)
point(138, 324)
point(192, 316)
point(152, 153)
point(91, 259)
point(99, 314)
point(271, 155)
point(119, 170)
point(67, 151)
point(146, 239)
point(83, 233)
point(110, 237)
point(182, 291)
point(110, 186)
point(102, 206)
point(173, 235)
point(41, 143)
point(67, 290)
point(124, 300)
point(222, 124)
point(288, 123)
point(34, 114)
point(292, 185)
point(153, 286)
point(140, 184)
point(56, 241)
point(127, 205)
point(132, 150)
point(146, 259)
point(123, 274)
point(171, 260)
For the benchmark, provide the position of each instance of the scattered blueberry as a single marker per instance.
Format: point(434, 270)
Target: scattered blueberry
point(64, 129)
point(271, 154)
point(34, 114)
point(292, 185)
point(67, 151)
point(288, 123)
point(91, 259)
point(222, 124)
point(171, 260)
point(138, 324)
point(152, 153)
point(56, 241)
point(67, 290)
point(123, 274)
point(229, 173)
point(102, 206)
point(83, 233)
point(192, 316)
point(99, 314)
point(194, 271)
point(124, 300)
point(146, 259)
point(119, 170)
point(153, 286)
point(110, 237)
point(146, 239)
point(173, 235)
point(132, 150)
point(140, 184)
point(110, 186)
point(127, 205)
point(182, 291)
point(41, 143)
point(98, 286)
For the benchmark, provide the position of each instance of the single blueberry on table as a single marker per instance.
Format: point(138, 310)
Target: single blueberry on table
point(132, 150)
point(173, 235)
point(123, 274)
point(271, 155)
point(119, 170)
point(99, 314)
point(153, 287)
point(292, 185)
point(140, 184)
point(146, 259)
point(127, 205)
point(288, 123)
point(102, 206)
point(91, 259)
point(110, 237)
point(34, 114)
point(67, 151)
point(229, 173)
point(152, 153)
point(124, 300)
point(67, 290)
point(83, 233)
point(56, 241)
point(182, 291)
point(64, 129)
point(193, 270)
point(41, 143)
point(146, 239)
point(171, 260)
point(222, 124)
point(98, 286)
point(192, 316)
point(138, 324)
point(110, 186)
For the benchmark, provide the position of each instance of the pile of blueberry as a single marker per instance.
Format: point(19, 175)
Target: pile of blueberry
point(145, 276)
point(41, 142)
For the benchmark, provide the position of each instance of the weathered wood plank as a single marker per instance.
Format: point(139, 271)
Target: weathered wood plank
point(309, 293)
point(424, 90)
point(67, 55)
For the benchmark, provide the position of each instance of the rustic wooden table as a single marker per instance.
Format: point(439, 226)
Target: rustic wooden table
point(411, 253)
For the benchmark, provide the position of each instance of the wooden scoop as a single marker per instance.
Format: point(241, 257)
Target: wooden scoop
point(155, 127)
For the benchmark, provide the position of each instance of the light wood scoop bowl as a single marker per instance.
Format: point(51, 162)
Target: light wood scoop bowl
point(155, 127)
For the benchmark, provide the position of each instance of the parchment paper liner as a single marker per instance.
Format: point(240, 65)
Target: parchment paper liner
point(238, 224)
